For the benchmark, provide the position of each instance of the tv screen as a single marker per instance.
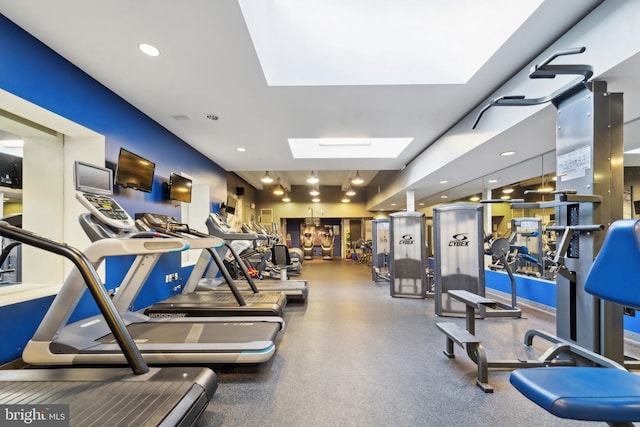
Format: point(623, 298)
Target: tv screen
point(92, 179)
point(180, 188)
point(134, 171)
point(231, 205)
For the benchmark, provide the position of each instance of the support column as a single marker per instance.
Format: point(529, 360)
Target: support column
point(411, 201)
point(488, 223)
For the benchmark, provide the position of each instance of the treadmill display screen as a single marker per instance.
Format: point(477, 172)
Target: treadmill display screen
point(93, 179)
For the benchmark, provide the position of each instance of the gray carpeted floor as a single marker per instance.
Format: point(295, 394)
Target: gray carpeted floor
point(354, 356)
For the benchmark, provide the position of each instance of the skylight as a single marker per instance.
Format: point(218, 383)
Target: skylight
point(378, 42)
point(344, 148)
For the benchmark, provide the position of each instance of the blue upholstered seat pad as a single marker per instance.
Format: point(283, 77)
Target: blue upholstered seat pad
point(582, 393)
point(614, 273)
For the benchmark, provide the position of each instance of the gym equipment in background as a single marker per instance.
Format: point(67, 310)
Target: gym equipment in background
point(327, 242)
point(408, 276)
point(308, 234)
point(380, 257)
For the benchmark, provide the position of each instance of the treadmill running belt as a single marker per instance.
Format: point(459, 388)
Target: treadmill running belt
point(172, 333)
point(107, 404)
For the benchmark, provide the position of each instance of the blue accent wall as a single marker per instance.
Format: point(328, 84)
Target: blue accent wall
point(32, 71)
point(539, 291)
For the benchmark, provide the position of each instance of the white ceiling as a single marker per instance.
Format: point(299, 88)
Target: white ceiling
point(209, 65)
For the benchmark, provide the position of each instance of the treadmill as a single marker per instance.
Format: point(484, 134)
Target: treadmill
point(137, 395)
point(166, 340)
point(203, 304)
point(295, 290)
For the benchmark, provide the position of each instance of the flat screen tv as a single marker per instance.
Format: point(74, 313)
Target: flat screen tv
point(231, 205)
point(134, 171)
point(180, 188)
point(92, 179)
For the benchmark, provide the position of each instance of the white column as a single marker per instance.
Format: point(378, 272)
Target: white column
point(486, 194)
point(411, 201)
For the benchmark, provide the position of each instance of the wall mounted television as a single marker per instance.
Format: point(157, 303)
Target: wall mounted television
point(134, 171)
point(231, 205)
point(180, 188)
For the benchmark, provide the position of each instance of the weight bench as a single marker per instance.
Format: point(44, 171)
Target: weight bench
point(465, 338)
point(608, 394)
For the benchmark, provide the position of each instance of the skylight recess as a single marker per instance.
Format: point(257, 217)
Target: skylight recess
point(379, 42)
point(345, 148)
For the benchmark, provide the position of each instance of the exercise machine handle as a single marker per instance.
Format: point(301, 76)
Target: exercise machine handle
point(93, 282)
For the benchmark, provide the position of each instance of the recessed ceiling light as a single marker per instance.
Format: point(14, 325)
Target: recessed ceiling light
point(393, 204)
point(444, 181)
point(492, 181)
point(148, 49)
point(241, 149)
point(474, 198)
point(444, 196)
point(421, 203)
point(507, 153)
point(507, 190)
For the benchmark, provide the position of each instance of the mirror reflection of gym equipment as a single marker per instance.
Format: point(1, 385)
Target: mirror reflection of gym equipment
point(588, 197)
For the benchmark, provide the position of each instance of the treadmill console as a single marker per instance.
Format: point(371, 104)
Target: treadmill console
point(106, 210)
point(221, 223)
point(161, 222)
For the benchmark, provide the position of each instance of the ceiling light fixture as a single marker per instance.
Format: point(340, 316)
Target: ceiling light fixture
point(345, 200)
point(286, 198)
point(314, 191)
point(492, 181)
point(444, 181)
point(278, 191)
point(507, 153)
point(505, 197)
point(507, 190)
point(475, 199)
point(267, 178)
point(313, 178)
point(350, 192)
point(356, 179)
point(444, 196)
point(241, 149)
point(315, 200)
point(148, 49)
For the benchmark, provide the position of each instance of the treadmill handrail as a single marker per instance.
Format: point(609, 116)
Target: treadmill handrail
point(93, 282)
